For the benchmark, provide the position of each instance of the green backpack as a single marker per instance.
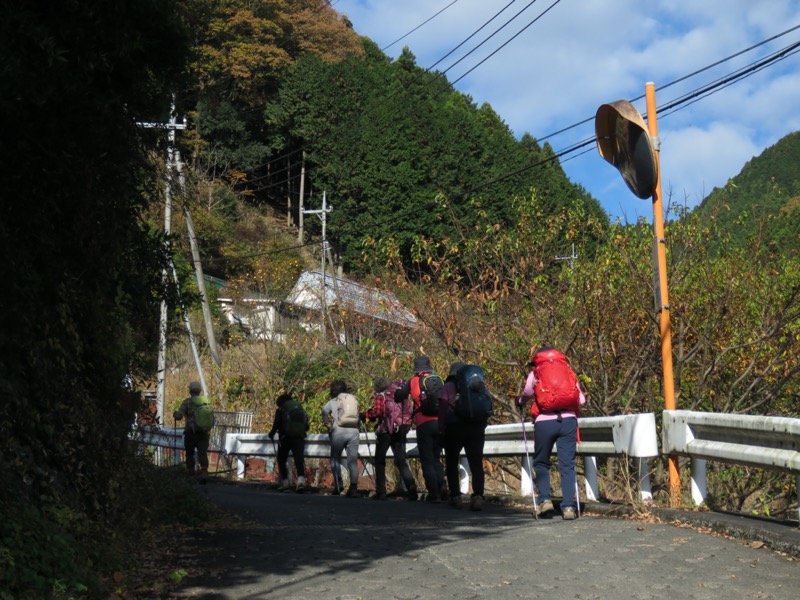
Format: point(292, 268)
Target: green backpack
point(202, 414)
point(294, 419)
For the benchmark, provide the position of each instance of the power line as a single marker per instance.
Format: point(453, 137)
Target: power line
point(404, 36)
point(672, 107)
point(512, 38)
point(423, 72)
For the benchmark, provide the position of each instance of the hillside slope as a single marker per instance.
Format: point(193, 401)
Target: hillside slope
point(761, 205)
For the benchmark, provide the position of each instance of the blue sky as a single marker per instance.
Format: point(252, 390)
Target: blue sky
point(579, 54)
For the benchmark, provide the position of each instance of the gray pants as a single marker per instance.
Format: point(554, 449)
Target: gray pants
point(344, 438)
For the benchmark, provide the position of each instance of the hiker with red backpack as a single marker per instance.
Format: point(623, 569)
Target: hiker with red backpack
point(393, 411)
point(424, 388)
point(291, 425)
point(557, 398)
point(464, 409)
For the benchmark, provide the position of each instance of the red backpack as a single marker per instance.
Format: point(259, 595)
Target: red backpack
point(397, 411)
point(556, 386)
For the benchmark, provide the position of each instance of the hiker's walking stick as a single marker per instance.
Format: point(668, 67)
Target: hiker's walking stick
point(577, 489)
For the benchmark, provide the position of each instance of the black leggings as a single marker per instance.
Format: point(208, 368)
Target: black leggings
point(396, 442)
point(470, 437)
point(297, 446)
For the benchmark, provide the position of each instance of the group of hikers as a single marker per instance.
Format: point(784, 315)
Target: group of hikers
point(449, 415)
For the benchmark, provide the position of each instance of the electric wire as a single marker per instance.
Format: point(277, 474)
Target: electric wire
point(666, 109)
point(402, 37)
point(419, 75)
point(507, 42)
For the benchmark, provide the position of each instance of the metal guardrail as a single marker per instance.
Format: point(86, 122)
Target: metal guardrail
point(168, 441)
point(766, 442)
point(632, 435)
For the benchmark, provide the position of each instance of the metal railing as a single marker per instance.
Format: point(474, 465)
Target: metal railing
point(167, 443)
point(766, 442)
point(630, 435)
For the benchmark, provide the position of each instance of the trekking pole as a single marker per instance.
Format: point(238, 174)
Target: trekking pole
point(530, 470)
point(577, 489)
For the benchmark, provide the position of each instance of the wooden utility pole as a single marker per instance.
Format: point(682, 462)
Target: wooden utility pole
point(201, 287)
point(301, 205)
point(171, 127)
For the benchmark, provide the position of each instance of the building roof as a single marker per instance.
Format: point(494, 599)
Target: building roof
point(377, 304)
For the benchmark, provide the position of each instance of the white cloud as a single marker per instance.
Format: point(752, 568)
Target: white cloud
point(584, 53)
point(696, 160)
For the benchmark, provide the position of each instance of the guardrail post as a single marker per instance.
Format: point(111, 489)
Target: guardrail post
point(797, 492)
point(241, 462)
point(526, 478)
point(643, 474)
point(463, 475)
point(699, 481)
point(590, 477)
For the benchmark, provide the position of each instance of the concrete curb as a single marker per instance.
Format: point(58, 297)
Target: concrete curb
point(782, 536)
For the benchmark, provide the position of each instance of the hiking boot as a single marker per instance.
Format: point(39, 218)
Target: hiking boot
point(379, 496)
point(476, 503)
point(412, 494)
point(444, 493)
point(300, 488)
point(352, 492)
point(569, 514)
point(433, 499)
point(544, 509)
point(455, 502)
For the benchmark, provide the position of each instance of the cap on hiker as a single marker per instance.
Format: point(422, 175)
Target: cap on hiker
point(422, 364)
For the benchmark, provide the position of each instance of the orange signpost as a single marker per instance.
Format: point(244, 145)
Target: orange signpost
point(627, 143)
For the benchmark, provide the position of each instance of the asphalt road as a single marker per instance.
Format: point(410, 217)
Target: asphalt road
point(330, 547)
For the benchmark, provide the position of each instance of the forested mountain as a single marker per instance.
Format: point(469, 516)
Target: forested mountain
point(761, 205)
point(400, 153)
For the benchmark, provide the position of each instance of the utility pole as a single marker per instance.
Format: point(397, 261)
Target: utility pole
point(632, 146)
point(323, 215)
point(301, 205)
point(198, 266)
point(201, 286)
point(172, 126)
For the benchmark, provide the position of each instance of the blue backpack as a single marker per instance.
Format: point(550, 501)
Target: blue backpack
point(473, 401)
